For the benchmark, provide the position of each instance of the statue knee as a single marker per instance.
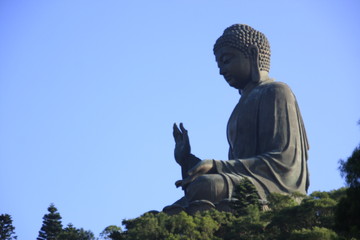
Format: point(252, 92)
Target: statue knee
point(204, 180)
point(211, 187)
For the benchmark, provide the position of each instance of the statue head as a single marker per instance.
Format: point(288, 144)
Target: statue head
point(248, 51)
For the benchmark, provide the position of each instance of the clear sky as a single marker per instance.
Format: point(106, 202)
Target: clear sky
point(89, 91)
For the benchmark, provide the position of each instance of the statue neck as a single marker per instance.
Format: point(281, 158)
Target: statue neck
point(264, 76)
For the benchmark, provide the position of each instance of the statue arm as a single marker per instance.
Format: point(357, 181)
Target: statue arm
point(190, 162)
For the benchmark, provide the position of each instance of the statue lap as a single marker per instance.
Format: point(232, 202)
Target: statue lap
point(210, 187)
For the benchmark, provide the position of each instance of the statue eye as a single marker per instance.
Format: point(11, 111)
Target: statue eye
point(226, 59)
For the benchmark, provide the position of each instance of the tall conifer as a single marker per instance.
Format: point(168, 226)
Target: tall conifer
point(6, 228)
point(52, 226)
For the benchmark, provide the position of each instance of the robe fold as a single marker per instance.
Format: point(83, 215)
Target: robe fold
point(268, 142)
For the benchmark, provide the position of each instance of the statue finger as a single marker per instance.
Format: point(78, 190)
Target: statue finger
point(176, 132)
point(184, 131)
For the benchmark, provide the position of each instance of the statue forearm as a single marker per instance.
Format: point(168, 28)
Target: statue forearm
point(189, 163)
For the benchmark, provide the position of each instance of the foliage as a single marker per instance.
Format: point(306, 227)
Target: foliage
point(350, 169)
point(334, 194)
point(111, 232)
point(246, 195)
point(52, 225)
point(314, 211)
point(6, 228)
point(348, 210)
point(72, 233)
point(313, 218)
point(279, 201)
point(163, 226)
point(314, 234)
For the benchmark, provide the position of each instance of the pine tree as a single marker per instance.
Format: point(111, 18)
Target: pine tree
point(246, 195)
point(52, 226)
point(6, 228)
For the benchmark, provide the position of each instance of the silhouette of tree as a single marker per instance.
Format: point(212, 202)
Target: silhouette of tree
point(6, 228)
point(72, 233)
point(348, 210)
point(111, 232)
point(52, 226)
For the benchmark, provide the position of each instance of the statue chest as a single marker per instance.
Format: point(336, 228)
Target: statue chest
point(242, 127)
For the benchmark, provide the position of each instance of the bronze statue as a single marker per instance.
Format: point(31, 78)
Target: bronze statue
point(266, 134)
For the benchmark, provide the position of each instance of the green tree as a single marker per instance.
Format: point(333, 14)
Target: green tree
point(314, 234)
point(348, 210)
point(246, 195)
point(317, 210)
point(72, 233)
point(312, 219)
point(52, 225)
point(350, 169)
point(177, 227)
point(6, 228)
point(278, 202)
point(337, 194)
point(111, 232)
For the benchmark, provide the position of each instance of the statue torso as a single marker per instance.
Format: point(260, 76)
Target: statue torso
point(243, 124)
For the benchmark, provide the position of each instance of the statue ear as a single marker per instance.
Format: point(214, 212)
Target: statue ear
point(254, 61)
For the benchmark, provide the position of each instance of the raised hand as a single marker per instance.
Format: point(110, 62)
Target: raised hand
point(182, 144)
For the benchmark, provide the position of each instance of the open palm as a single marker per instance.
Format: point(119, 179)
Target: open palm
point(182, 144)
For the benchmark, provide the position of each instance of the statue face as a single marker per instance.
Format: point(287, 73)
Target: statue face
point(234, 66)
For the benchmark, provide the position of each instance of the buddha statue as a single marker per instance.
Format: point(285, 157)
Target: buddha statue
point(267, 139)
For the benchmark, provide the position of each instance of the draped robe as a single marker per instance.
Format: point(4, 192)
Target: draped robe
point(268, 142)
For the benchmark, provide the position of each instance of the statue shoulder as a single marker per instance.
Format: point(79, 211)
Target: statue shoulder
point(277, 89)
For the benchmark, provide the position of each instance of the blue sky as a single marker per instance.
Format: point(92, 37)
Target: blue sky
point(89, 91)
